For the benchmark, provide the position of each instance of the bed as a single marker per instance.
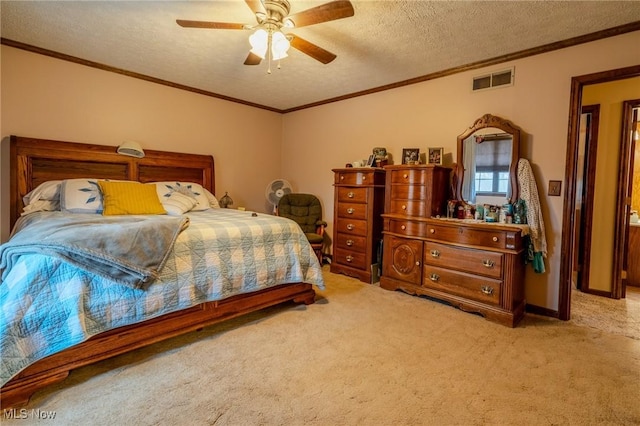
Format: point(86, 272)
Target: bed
point(140, 309)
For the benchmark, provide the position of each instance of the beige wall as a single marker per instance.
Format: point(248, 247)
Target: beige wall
point(48, 98)
point(610, 97)
point(433, 113)
point(45, 97)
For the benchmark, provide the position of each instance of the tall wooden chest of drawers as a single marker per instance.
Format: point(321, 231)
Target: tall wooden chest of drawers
point(357, 221)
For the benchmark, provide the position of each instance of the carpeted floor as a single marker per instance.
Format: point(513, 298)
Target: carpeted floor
point(361, 356)
point(613, 316)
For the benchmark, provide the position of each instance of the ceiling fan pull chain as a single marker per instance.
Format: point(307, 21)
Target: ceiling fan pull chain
point(269, 43)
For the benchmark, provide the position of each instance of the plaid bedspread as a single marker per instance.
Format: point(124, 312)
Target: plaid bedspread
point(47, 304)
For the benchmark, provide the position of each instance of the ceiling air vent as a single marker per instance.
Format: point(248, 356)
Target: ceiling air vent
point(496, 79)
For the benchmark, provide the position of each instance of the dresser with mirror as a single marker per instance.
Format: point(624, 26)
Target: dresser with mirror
point(473, 265)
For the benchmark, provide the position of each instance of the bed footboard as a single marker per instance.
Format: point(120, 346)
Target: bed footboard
point(57, 367)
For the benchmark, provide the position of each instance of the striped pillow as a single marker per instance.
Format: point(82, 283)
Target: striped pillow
point(129, 198)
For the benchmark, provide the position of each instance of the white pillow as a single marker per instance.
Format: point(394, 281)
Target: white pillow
point(41, 206)
point(213, 201)
point(48, 191)
point(177, 203)
point(80, 196)
point(193, 190)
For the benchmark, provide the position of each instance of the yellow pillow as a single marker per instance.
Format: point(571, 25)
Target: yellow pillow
point(129, 198)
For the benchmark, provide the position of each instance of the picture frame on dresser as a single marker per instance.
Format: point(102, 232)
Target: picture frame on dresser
point(371, 161)
point(435, 155)
point(410, 155)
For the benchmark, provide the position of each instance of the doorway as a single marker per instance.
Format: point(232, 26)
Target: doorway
point(625, 204)
point(585, 179)
point(570, 219)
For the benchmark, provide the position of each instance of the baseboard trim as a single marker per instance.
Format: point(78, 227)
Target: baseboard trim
point(539, 310)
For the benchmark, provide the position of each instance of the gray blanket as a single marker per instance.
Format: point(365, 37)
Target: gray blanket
point(129, 250)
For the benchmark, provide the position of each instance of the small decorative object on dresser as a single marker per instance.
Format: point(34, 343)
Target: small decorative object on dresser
point(357, 224)
point(435, 156)
point(410, 155)
point(473, 265)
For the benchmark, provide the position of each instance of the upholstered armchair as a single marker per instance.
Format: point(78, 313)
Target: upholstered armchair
point(306, 211)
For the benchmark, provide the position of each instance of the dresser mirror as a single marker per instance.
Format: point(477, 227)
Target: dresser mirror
point(488, 154)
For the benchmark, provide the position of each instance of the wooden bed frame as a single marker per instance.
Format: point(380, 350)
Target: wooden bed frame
point(34, 161)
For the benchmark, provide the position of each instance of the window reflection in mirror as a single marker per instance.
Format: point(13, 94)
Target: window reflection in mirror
point(487, 159)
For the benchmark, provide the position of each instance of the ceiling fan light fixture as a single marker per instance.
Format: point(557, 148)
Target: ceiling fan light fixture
point(259, 43)
point(279, 46)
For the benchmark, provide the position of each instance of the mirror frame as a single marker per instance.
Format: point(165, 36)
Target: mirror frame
point(506, 126)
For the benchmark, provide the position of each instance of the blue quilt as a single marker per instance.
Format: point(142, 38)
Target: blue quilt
point(48, 304)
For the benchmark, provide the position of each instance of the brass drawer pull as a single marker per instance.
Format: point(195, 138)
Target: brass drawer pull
point(350, 194)
point(350, 242)
point(488, 263)
point(432, 231)
point(486, 289)
point(349, 258)
point(434, 277)
point(417, 263)
point(403, 227)
point(435, 253)
point(341, 177)
point(350, 226)
point(364, 178)
point(404, 207)
point(495, 239)
point(351, 210)
point(405, 176)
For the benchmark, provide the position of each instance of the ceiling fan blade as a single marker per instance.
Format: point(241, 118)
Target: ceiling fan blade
point(256, 6)
point(252, 59)
point(213, 25)
point(316, 52)
point(326, 12)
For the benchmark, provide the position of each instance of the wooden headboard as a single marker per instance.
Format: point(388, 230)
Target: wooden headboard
point(33, 161)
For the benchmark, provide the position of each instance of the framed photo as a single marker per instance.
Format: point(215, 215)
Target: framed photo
point(410, 155)
point(435, 156)
point(371, 161)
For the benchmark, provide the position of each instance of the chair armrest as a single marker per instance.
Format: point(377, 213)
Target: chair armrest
point(320, 225)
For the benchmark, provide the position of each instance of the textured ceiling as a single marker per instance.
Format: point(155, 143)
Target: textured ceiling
point(384, 43)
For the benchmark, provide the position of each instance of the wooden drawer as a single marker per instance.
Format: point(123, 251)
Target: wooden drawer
point(350, 258)
point(359, 177)
point(409, 208)
point(351, 210)
point(351, 242)
point(408, 192)
point(486, 237)
point(352, 195)
point(352, 226)
point(409, 176)
point(480, 262)
point(408, 228)
point(474, 287)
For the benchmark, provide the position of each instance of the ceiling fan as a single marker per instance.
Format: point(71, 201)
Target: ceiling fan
point(268, 40)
